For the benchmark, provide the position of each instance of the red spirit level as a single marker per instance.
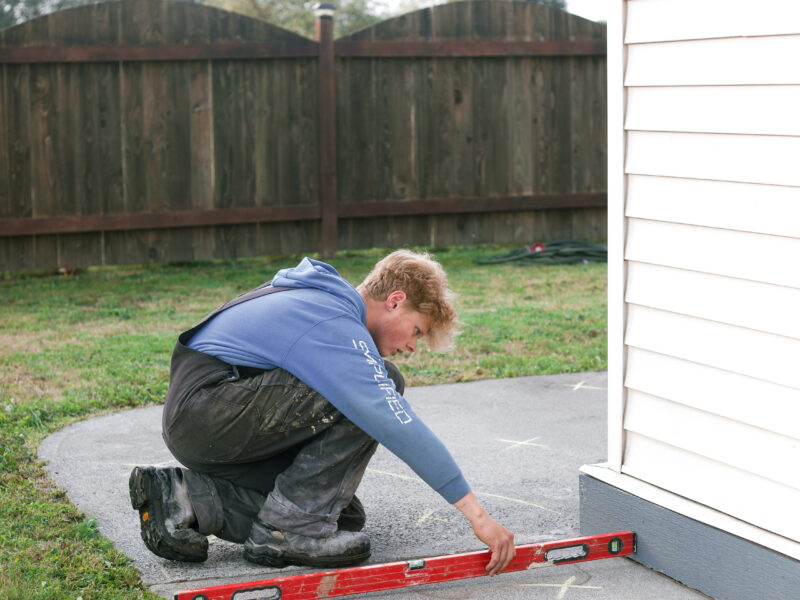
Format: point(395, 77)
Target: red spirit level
point(374, 578)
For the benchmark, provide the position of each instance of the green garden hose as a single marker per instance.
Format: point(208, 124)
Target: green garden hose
point(559, 252)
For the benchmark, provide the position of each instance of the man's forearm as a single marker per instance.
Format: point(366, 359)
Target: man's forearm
point(471, 508)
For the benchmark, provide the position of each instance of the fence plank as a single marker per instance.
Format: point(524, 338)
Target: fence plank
point(17, 252)
point(233, 151)
point(93, 92)
point(297, 149)
point(137, 27)
point(265, 133)
point(444, 142)
point(75, 164)
point(355, 139)
point(459, 103)
point(5, 171)
point(46, 150)
point(18, 107)
point(326, 99)
point(201, 168)
point(107, 155)
point(116, 243)
point(178, 157)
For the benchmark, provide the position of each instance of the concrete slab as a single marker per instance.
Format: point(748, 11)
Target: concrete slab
point(519, 442)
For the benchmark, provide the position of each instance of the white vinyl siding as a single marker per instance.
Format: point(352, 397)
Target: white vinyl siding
point(671, 20)
point(738, 349)
point(720, 204)
point(725, 393)
point(728, 109)
point(710, 285)
point(727, 61)
point(751, 449)
point(733, 491)
point(716, 298)
point(769, 159)
point(752, 256)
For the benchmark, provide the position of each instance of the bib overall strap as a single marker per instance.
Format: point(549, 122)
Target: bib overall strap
point(262, 290)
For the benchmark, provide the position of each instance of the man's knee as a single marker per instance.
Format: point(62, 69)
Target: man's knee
point(395, 375)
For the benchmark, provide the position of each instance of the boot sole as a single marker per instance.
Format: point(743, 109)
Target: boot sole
point(281, 560)
point(140, 487)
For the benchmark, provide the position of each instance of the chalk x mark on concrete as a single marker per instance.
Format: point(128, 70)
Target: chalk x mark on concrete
point(516, 443)
point(581, 385)
point(425, 517)
point(490, 495)
point(397, 475)
point(563, 587)
point(429, 516)
point(518, 501)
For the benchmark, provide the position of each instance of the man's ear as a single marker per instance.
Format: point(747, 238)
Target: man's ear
point(395, 300)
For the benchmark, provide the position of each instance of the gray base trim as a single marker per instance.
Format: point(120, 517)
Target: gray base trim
point(702, 557)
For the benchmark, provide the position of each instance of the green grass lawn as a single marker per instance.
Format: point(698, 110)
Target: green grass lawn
point(100, 340)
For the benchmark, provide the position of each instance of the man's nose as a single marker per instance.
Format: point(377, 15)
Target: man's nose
point(412, 345)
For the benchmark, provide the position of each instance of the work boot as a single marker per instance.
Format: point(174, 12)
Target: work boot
point(353, 517)
point(166, 514)
point(268, 546)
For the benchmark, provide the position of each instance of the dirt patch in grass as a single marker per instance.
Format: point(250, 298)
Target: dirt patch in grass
point(19, 342)
point(21, 386)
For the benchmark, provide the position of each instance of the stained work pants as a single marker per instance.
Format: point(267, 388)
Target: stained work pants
point(261, 445)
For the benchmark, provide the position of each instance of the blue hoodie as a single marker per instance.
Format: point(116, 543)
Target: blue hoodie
point(318, 333)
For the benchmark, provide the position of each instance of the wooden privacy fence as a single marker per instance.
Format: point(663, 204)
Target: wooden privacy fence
point(152, 130)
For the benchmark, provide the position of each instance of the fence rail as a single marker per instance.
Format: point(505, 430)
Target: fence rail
point(297, 49)
point(235, 216)
point(171, 131)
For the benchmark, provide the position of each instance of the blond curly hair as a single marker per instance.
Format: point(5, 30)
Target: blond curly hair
point(424, 282)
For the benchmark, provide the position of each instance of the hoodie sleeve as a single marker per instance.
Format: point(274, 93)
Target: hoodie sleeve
point(352, 376)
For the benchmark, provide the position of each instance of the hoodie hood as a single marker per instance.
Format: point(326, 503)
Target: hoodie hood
point(310, 273)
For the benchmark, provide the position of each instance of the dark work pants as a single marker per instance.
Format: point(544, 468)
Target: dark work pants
point(261, 445)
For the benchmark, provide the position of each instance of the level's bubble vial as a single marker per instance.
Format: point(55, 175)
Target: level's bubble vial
point(615, 546)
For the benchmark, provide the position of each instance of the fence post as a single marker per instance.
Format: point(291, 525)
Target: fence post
point(326, 99)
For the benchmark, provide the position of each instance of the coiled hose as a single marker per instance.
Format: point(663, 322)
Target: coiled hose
point(559, 252)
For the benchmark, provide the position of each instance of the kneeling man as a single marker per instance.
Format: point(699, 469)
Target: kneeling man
point(276, 403)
